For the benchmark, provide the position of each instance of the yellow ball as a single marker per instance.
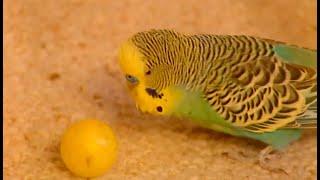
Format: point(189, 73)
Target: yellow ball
point(88, 148)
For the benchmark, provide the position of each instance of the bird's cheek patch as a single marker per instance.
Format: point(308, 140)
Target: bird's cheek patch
point(159, 109)
point(153, 93)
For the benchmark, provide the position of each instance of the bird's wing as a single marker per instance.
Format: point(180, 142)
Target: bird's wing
point(269, 92)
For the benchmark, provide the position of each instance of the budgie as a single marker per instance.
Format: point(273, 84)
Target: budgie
point(240, 85)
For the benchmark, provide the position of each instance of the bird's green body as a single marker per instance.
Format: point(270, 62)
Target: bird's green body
point(296, 55)
point(239, 85)
point(196, 109)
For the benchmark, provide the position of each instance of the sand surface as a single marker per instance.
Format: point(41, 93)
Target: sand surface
point(60, 65)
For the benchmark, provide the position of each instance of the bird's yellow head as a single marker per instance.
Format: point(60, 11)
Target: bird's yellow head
point(137, 75)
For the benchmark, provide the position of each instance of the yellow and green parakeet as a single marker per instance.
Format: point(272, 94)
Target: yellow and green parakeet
point(240, 85)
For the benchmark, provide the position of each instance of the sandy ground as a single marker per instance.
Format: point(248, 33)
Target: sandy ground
point(61, 66)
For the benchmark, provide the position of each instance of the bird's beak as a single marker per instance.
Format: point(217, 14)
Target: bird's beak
point(140, 110)
point(137, 106)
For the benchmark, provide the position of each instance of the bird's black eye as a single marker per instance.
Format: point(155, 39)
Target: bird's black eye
point(131, 79)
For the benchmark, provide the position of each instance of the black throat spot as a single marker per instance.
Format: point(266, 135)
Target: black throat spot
point(153, 93)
